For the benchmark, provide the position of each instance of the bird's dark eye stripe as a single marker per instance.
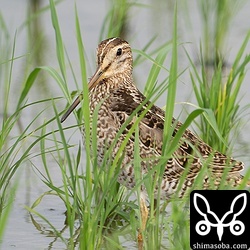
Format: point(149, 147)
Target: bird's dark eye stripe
point(106, 68)
point(119, 52)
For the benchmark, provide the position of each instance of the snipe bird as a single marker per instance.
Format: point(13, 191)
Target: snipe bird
point(112, 89)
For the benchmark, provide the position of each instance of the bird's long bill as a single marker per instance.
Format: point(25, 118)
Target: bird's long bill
point(92, 84)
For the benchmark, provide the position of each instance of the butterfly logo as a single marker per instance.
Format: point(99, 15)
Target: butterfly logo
point(203, 227)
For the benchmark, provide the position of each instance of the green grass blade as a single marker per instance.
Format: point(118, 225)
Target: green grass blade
point(29, 83)
point(59, 40)
point(173, 75)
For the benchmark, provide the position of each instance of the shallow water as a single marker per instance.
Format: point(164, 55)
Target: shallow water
point(144, 23)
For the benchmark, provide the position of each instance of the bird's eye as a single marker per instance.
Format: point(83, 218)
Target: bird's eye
point(119, 52)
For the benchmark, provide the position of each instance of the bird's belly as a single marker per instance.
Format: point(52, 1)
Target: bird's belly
point(126, 166)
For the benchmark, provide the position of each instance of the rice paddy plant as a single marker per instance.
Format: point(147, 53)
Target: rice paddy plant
point(16, 141)
point(8, 122)
point(98, 210)
point(84, 190)
point(216, 17)
point(221, 96)
point(14, 149)
point(115, 23)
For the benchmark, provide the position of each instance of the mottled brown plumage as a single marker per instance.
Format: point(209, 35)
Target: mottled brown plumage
point(112, 89)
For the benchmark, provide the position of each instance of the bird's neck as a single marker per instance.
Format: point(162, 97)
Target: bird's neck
point(107, 85)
